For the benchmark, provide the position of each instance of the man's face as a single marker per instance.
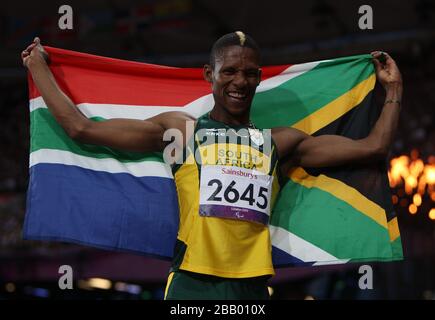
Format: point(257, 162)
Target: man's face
point(235, 77)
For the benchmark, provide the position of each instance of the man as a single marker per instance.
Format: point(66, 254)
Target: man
point(223, 248)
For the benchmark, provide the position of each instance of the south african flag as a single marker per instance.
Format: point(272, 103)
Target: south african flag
point(116, 200)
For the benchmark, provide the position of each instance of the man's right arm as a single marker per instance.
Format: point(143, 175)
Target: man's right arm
point(123, 134)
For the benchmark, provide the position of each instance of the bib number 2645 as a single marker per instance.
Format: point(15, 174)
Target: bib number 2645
point(232, 195)
point(235, 193)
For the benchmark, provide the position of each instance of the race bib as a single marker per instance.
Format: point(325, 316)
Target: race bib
point(235, 193)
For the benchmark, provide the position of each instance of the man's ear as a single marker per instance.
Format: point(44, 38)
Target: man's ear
point(208, 73)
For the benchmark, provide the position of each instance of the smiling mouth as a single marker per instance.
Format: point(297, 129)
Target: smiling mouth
point(240, 96)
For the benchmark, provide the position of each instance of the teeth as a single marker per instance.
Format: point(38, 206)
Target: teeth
point(237, 95)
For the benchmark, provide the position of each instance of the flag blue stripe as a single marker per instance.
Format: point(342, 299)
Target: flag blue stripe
point(281, 259)
point(113, 211)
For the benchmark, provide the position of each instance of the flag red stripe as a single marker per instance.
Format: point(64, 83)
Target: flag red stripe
point(95, 79)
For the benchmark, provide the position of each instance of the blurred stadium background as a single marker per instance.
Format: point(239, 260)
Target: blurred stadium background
point(180, 33)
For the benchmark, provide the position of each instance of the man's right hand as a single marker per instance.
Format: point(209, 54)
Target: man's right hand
point(34, 52)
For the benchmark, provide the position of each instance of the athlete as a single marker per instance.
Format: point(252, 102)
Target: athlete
point(223, 248)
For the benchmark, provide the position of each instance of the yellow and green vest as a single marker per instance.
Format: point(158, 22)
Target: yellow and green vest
point(226, 185)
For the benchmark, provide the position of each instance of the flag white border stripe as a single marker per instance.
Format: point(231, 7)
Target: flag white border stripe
point(110, 165)
point(110, 111)
point(288, 74)
point(300, 248)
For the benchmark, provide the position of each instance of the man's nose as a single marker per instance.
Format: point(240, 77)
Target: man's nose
point(240, 79)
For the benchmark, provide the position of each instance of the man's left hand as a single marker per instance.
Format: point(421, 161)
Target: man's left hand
point(387, 72)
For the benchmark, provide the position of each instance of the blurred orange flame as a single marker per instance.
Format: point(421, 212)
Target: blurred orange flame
point(412, 209)
point(416, 177)
point(417, 199)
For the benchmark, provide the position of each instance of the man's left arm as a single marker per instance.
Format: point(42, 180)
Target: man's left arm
point(333, 150)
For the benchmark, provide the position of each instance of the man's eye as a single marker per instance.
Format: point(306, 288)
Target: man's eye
point(228, 72)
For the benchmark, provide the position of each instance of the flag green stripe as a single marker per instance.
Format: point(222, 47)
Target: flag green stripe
point(46, 133)
point(299, 97)
point(396, 247)
point(397, 254)
point(314, 213)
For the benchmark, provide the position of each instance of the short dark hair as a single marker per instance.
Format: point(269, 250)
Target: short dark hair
point(237, 38)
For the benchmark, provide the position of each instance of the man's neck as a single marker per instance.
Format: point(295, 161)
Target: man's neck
point(228, 119)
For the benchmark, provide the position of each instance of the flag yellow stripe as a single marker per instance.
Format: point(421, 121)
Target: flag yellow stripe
point(168, 283)
point(343, 192)
point(393, 229)
point(336, 108)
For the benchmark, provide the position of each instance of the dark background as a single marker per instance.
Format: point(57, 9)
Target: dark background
point(181, 33)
